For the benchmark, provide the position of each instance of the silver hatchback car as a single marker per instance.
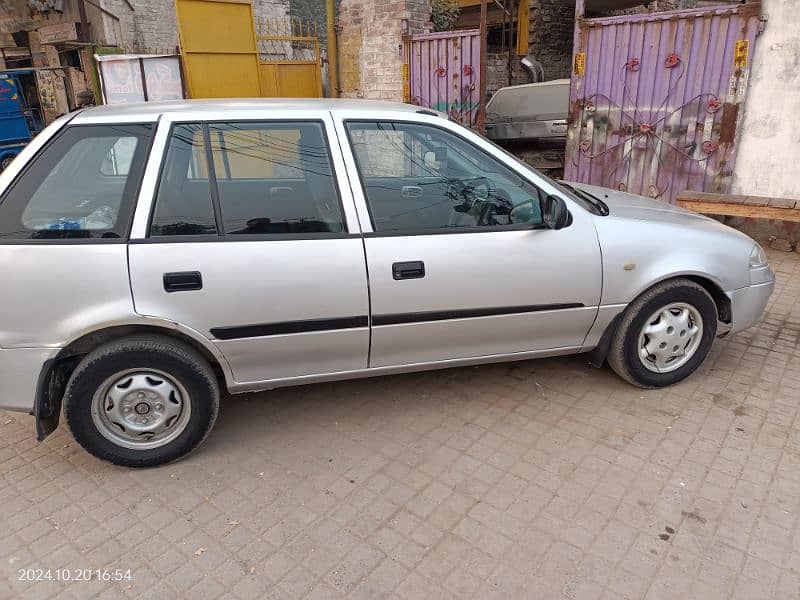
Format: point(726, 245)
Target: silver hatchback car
point(152, 254)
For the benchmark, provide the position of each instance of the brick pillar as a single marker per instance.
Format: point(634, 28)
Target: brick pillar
point(370, 45)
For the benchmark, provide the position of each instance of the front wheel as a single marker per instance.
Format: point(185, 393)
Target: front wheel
point(142, 401)
point(664, 335)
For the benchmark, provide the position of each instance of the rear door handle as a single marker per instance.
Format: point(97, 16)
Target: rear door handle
point(408, 270)
point(183, 282)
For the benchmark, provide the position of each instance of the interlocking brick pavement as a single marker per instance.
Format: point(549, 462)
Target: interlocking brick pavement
point(541, 479)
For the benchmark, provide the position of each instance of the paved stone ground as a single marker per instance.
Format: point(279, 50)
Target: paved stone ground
point(543, 479)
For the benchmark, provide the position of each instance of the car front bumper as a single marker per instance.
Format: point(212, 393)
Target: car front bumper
point(20, 369)
point(748, 304)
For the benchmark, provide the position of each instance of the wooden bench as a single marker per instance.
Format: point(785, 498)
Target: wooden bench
point(753, 207)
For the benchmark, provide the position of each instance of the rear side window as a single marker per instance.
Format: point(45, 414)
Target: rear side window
point(83, 184)
point(183, 201)
point(269, 178)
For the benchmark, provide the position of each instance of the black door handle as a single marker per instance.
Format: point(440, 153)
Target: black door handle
point(183, 282)
point(408, 270)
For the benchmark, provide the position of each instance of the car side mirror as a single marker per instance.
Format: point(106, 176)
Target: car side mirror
point(555, 213)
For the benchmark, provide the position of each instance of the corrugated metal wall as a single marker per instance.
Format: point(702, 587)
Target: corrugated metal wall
point(445, 73)
point(656, 99)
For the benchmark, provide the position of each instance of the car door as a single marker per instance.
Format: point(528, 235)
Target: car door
point(253, 243)
point(472, 271)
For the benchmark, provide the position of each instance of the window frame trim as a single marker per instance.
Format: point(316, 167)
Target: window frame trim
point(422, 231)
point(214, 189)
point(135, 192)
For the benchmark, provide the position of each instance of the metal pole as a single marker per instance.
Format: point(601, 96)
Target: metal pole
point(511, 38)
point(333, 49)
point(484, 52)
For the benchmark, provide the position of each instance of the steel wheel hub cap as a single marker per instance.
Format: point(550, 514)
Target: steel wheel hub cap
point(141, 410)
point(670, 337)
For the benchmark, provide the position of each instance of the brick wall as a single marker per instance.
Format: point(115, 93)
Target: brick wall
point(551, 30)
point(497, 73)
point(370, 40)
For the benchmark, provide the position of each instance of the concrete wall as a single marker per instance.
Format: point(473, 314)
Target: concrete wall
point(768, 161)
point(370, 40)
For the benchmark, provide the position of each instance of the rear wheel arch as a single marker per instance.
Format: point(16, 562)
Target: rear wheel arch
point(56, 373)
point(94, 339)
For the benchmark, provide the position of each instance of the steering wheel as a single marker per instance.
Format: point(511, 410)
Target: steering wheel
point(467, 202)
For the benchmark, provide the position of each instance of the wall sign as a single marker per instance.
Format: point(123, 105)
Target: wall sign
point(580, 64)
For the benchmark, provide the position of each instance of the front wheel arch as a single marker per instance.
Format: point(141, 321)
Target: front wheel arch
point(599, 354)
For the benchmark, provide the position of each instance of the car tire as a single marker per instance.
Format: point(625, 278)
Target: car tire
point(6, 162)
point(142, 401)
point(662, 320)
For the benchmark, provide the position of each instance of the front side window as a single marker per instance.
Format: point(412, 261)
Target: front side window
point(423, 178)
point(83, 184)
point(268, 178)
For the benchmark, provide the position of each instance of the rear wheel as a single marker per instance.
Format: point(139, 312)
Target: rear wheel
point(665, 334)
point(142, 401)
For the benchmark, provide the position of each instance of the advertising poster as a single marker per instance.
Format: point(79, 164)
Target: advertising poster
point(122, 81)
point(130, 78)
point(163, 78)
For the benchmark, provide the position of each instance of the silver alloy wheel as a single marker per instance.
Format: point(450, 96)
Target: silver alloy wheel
point(670, 337)
point(141, 409)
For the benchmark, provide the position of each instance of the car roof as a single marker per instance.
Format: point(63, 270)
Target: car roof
point(150, 111)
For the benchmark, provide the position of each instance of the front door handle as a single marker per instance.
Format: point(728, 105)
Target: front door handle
point(411, 191)
point(408, 270)
point(183, 282)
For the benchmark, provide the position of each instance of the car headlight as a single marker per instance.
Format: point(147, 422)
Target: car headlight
point(758, 258)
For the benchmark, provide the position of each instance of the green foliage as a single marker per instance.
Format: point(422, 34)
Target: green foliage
point(444, 14)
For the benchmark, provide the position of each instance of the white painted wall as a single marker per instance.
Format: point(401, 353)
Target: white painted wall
point(768, 161)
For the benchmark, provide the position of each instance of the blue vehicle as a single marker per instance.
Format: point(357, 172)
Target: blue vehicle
point(19, 114)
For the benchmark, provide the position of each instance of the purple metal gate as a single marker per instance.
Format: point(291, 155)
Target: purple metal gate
point(656, 99)
point(445, 73)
